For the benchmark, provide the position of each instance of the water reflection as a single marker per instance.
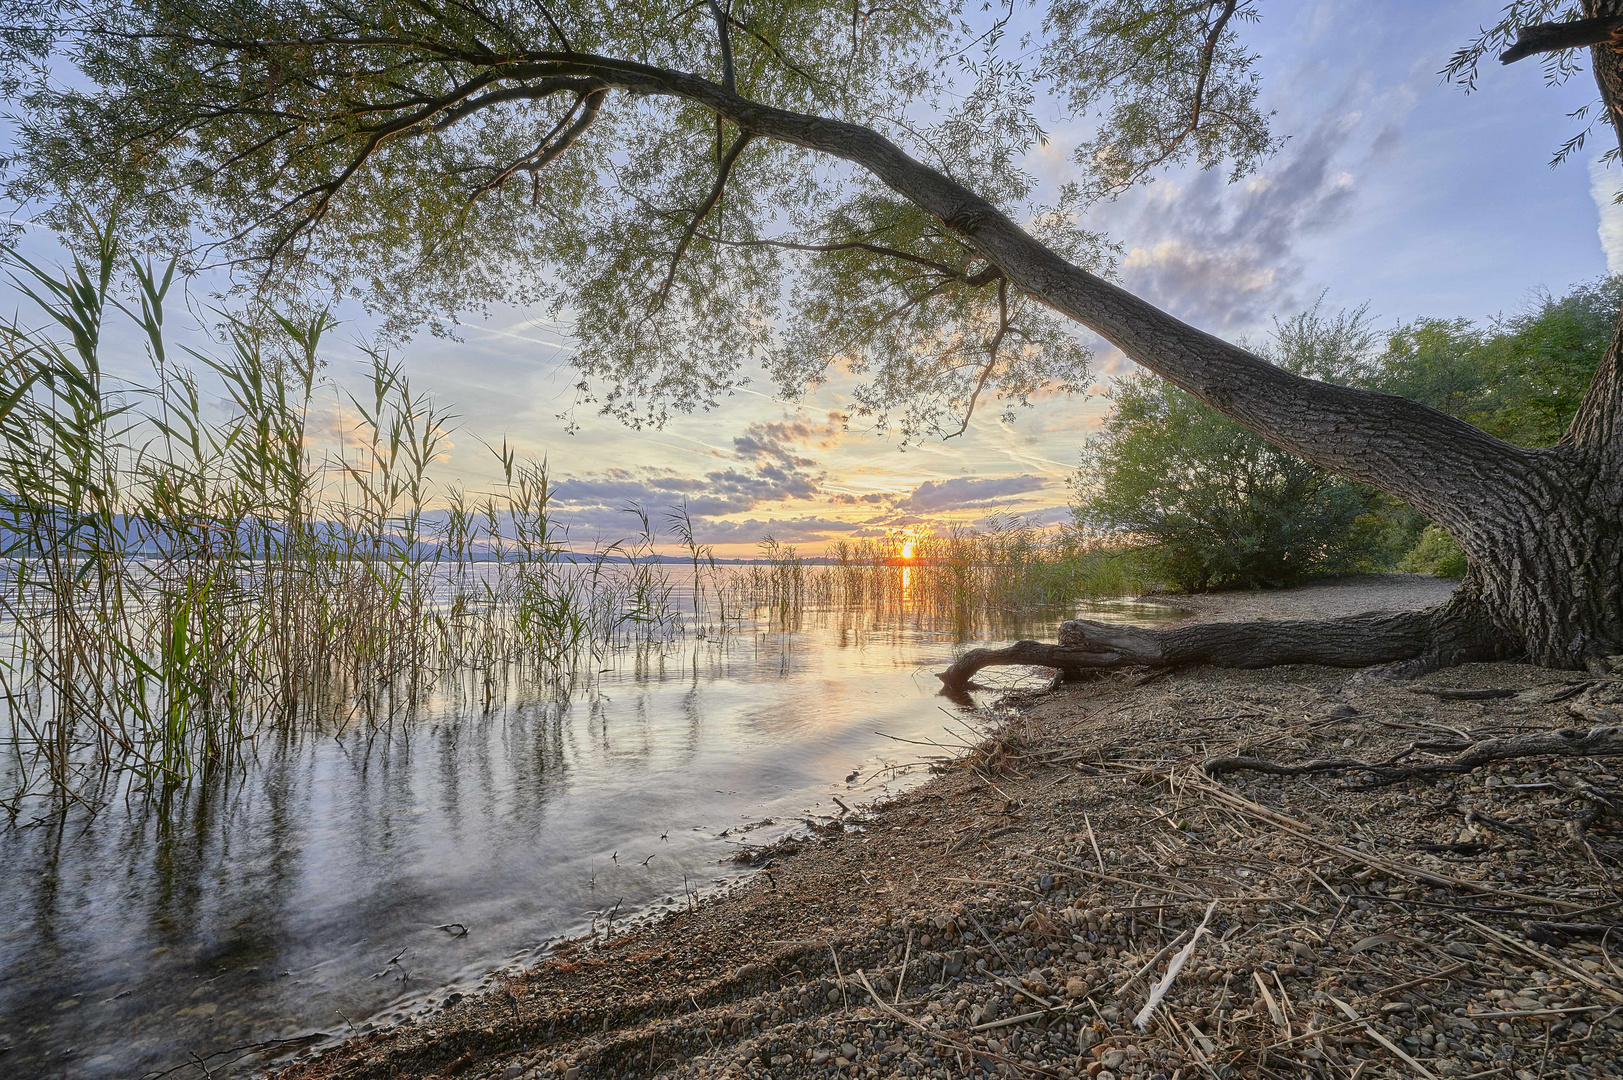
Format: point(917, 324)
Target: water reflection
point(324, 888)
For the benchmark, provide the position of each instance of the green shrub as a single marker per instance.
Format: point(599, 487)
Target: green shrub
point(1215, 505)
point(1436, 554)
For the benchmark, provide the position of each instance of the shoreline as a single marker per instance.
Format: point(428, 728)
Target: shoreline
point(1320, 598)
point(1008, 916)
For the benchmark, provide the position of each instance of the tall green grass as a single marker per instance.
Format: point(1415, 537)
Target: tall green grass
point(174, 584)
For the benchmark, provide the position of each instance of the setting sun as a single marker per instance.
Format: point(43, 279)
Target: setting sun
point(907, 548)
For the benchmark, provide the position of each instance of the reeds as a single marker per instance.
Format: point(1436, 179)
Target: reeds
point(175, 585)
point(971, 578)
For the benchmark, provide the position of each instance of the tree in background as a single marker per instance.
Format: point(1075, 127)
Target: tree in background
point(1521, 379)
point(1219, 507)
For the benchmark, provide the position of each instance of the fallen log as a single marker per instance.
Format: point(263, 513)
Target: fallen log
point(1418, 640)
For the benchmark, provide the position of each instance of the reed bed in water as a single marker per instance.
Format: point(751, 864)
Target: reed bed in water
point(174, 585)
point(966, 576)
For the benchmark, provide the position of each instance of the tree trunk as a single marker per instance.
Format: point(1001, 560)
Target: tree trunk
point(1541, 529)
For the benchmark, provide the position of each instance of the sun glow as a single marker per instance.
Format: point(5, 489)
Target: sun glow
point(907, 548)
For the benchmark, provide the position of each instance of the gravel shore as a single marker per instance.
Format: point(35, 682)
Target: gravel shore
point(1086, 867)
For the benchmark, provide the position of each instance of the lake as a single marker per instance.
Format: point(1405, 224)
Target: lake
point(348, 879)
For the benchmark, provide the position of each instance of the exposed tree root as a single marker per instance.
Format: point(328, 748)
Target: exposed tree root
point(1599, 704)
point(1594, 803)
point(1557, 933)
point(1564, 742)
point(1419, 641)
point(1477, 817)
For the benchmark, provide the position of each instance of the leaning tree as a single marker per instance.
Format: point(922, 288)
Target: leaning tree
point(706, 186)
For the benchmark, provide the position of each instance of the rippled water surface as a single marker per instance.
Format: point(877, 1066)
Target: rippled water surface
point(307, 894)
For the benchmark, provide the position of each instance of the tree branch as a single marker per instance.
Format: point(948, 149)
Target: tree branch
point(1556, 37)
point(439, 113)
point(985, 277)
point(726, 167)
point(775, 50)
point(522, 92)
point(552, 23)
point(991, 360)
point(1562, 742)
point(550, 148)
point(724, 38)
point(1452, 633)
point(1206, 55)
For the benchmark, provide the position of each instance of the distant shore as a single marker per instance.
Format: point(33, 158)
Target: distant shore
point(1013, 915)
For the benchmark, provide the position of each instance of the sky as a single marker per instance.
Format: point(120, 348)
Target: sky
point(1392, 189)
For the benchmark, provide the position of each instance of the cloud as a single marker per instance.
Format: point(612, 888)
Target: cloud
point(777, 439)
point(719, 492)
point(770, 470)
point(596, 507)
point(1603, 188)
point(1049, 515)
point(967, 492)
point(1226, 256)
point(743, 501)
point(809, 530)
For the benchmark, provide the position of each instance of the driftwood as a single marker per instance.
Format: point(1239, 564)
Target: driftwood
point(1419, 640)
point(1556, 933)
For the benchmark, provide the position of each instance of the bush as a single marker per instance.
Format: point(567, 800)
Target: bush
point(1437, 553)
point(1218, 507)
point(1215, 505)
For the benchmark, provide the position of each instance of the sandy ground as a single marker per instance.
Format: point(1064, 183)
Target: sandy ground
point(1329, 599)
point(1014, 916)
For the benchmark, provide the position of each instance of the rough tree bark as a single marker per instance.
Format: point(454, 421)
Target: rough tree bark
point(1407, 640)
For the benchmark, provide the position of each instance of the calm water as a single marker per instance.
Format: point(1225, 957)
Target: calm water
point(306, 895)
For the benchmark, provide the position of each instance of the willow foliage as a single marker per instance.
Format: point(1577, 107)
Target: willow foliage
point(436, 159)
